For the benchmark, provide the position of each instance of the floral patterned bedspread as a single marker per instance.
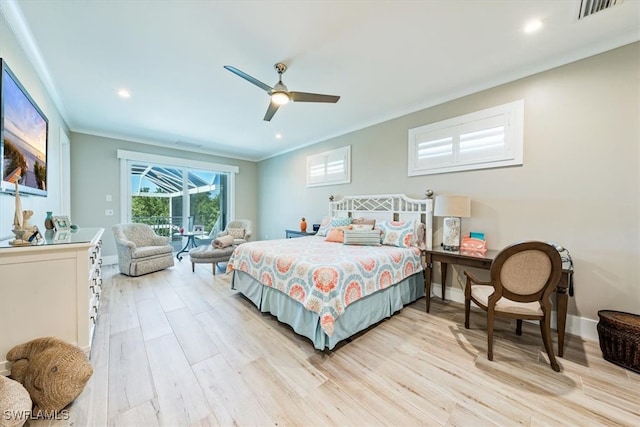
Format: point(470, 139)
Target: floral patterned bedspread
point(324, 277)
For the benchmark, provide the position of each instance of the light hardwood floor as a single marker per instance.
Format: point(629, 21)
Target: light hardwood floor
point(177, 348)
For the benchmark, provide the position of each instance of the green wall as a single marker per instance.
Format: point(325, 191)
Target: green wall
point(95, 173)
point(579, 185)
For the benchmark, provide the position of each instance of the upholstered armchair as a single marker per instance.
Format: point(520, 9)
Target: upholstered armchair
point(141, 250)
point(240, 229)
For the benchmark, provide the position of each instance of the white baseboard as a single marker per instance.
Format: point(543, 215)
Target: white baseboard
point(580, 326)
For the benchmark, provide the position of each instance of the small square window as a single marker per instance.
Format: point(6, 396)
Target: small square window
point(329, 168)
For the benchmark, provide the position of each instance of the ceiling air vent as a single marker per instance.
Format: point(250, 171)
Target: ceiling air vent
point(589, 7)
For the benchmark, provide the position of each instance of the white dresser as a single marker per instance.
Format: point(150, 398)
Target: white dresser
point(50, 289)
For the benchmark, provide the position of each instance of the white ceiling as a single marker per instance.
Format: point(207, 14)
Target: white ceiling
point(384, 58)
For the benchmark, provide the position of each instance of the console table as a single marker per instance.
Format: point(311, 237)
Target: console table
point(297, 233)
point(484, 262)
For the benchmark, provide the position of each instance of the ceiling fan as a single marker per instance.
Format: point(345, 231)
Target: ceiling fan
point(279, 93)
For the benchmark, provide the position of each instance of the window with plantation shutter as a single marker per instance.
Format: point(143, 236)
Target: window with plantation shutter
point(329, 168)
point(485, 139)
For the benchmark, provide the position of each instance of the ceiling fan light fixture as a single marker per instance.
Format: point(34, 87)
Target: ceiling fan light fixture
point(280, 98)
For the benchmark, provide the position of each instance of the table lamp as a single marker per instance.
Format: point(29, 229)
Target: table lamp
point(452, 208)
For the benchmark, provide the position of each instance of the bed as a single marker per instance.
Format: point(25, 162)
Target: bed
point(329, 291)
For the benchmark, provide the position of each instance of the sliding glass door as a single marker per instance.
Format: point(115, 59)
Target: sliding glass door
point(175, 195)
point(174, 200)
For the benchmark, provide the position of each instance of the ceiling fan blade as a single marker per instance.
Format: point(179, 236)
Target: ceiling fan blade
point(312, 97)
point(273, 107)
point(250, 79)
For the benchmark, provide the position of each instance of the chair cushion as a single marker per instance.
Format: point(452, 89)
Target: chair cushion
point(147, 251)
point(236, 233)
point(209, 254)
point(481, 294)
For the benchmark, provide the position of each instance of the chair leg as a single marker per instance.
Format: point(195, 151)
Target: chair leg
point(467, 309)
point(467, 303)
point(213, 267)
point(519, 327)
point(193, 267)
point(545, 329)
point(490, 317)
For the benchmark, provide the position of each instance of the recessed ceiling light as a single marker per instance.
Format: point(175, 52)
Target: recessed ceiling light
point(124, 93)
point(278, 135)
point(532, 26)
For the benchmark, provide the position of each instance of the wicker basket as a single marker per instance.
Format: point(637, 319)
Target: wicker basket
point(620, 338)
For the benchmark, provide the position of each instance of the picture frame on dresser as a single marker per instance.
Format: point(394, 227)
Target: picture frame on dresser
point(61, 236)
point(61, 223)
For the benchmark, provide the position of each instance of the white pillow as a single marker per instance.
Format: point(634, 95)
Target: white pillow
point(325, 224)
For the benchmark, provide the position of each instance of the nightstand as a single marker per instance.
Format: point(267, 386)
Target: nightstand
point(289, 234)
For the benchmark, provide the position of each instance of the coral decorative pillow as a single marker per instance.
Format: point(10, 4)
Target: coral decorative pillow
point(398, 233)
point(336, 234)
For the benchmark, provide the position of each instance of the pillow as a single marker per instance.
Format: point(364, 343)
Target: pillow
point(336, 234)
point(371, 222)
point(361, 227)
point(325, 224)
point(333, 221)
point(419, 235)
point(398, 233)
point(340, 221)
point(382, 226)
point(362, 237)
point(236, 233)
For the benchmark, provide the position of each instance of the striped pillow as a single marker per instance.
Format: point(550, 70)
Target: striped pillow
point(362, 237)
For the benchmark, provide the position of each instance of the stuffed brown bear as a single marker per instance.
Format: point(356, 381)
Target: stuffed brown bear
point(53, 371)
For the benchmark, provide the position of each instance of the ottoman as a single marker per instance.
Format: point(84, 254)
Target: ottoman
point(619, 335)
point(209, 255)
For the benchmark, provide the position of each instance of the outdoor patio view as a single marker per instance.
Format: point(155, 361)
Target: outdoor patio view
point(158, 197)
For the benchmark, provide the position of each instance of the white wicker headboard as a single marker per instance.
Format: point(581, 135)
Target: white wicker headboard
point(388, 207)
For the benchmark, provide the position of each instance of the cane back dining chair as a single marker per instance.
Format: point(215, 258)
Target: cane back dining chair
point(522, 278)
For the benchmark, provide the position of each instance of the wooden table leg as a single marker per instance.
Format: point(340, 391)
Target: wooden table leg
point(428, 273)
point(443, 276)
point(562, 300)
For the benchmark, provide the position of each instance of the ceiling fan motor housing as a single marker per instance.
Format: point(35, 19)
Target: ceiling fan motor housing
point(280, 68)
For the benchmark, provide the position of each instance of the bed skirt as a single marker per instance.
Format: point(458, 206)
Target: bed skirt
point(356, 317)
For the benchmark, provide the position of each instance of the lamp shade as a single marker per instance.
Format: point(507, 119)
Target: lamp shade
point(455, 206)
